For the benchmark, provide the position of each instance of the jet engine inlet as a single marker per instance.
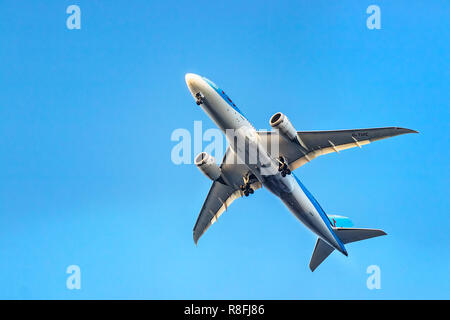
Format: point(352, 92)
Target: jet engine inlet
point(208, 166)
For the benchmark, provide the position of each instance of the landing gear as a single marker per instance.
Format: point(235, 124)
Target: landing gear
point(245, 188)
point(200, 98)
point(248, 192)
point(283, 167)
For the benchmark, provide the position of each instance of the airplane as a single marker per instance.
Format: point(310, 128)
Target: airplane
point(278, 153)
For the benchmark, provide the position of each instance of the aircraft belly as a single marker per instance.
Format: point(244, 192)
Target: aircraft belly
point(298, 203)
point(304, 211)
point(221, 113)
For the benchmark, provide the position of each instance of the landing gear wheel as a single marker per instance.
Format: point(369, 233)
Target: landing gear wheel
point(246, 188)
point(283, 168)
point(200, 98)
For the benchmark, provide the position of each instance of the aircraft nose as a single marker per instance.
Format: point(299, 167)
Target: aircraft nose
point(193, 82)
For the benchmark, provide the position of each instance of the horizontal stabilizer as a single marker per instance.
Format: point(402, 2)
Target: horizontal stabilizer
point(321, 251)
point(348, 235)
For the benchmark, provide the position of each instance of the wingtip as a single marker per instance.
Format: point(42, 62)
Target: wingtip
point(312, 268)
point(380, 232)
point(406, 130)
point(195, 239)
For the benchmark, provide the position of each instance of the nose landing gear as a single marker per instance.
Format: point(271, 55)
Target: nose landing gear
point(283, 167)
point(200, 98)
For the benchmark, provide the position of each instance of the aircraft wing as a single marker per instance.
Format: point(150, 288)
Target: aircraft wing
point(316, 143)
point(223, 192)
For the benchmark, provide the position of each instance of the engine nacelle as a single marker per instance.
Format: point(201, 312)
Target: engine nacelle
point(208, 166)
point(281, 122)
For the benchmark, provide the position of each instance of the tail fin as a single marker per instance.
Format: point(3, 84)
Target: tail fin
point(322, 249)
point(340, 221)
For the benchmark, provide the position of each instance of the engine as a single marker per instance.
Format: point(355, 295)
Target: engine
point(281, 122)
point(208, 166)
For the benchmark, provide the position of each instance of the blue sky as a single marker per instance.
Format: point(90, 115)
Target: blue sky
point(86, 176)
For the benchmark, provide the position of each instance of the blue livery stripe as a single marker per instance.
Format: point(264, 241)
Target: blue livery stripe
point(321, 212)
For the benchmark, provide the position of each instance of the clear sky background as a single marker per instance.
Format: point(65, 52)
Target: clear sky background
point(86, 175)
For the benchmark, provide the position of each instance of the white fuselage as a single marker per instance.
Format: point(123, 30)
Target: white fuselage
point(289, 189)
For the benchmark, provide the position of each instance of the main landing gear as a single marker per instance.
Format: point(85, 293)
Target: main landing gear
point(245, 188)
point(283, 167)
point(200, 98)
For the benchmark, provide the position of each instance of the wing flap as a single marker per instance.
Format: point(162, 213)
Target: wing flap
point(219, 198)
